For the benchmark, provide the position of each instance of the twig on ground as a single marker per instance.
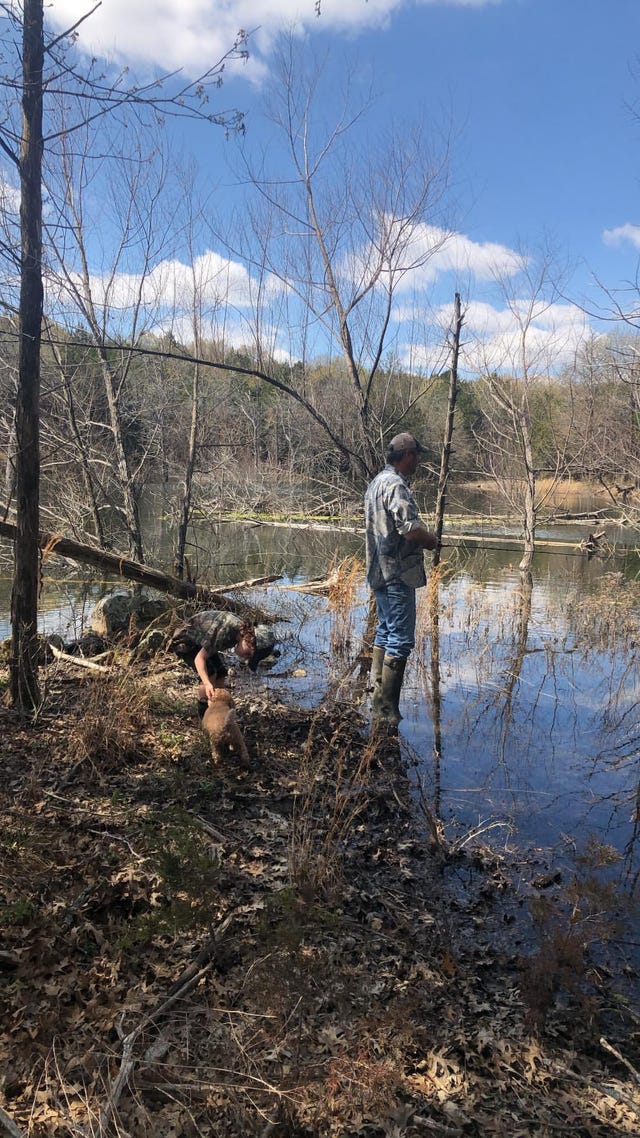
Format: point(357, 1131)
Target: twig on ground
point(188, 980)
point(477, 832)
point(79, 661)
point(209, 829)
point(420, 1120)
point(8, 1126)
point(614, 1051)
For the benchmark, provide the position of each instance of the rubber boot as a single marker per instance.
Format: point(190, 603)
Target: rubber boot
point(377, 660)
point(390, 684)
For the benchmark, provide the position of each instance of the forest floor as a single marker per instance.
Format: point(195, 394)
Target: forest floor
point(293, 949)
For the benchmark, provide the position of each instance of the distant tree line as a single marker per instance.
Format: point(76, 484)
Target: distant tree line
point(257, 448)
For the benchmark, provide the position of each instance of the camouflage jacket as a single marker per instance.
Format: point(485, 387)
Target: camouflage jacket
point(391, 511)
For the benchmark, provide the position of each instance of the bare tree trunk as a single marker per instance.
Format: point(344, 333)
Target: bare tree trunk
point(83, 457)
point(185, 505)
point(529, 517)
point(130, 497)
point(445, 456)
point(24, 597)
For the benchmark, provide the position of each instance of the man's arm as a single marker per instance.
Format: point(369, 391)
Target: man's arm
point(402, 507)
point(422, 537)
point(200, 664)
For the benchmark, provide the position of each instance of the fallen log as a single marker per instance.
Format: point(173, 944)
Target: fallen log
point(321, 586)
point(143, 574)
point(79, 661)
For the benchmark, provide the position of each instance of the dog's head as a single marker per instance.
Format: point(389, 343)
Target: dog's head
point(221, 695)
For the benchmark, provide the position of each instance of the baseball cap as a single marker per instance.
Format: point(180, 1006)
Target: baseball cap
point(404, 442)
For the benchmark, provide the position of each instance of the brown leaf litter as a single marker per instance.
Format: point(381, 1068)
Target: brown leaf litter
point(200, 950)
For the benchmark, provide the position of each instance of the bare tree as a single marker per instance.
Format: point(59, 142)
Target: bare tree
point(24, 595)
point(447, 441)
point(607, 420)
point(335, 233)
point(119, 304)
point(199, 302)
point(516, 370)
point(75, 436)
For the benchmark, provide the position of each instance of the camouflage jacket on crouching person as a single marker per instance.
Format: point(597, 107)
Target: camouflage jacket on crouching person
point(215, 630)
point(218, 631)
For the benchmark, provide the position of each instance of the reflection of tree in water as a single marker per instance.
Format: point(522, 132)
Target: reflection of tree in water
point(523, 689)
point(588, 674)
point(520, 639)
point(229, 551)
point(433, 611)
point(491, 640)
point(623, 759)
point(607, 629)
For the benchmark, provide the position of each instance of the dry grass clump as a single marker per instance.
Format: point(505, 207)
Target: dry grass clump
point(333, 787)
point(345, 578)
point(561, 494)
point(112, 710)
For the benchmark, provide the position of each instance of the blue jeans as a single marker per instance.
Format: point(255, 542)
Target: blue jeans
point(396, 629)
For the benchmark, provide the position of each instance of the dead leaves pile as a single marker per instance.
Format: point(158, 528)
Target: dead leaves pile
point(167, 975)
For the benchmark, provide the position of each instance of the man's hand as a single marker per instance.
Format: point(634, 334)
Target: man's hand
point(422, 537)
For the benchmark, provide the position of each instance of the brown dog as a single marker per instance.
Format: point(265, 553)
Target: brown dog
point(220, 723)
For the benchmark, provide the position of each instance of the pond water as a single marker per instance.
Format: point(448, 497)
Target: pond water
point(521, 703)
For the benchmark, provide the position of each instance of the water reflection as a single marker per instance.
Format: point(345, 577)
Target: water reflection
point(535, 719)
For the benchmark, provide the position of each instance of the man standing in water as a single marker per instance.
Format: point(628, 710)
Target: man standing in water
point(395, 540)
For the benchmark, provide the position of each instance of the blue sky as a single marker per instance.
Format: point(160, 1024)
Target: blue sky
point(541, 93)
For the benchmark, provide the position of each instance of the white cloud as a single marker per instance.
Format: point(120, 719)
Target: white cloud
point(493, 340)
point(427, 252)
point(458, 254)
point(9, 197)
point(538, 336)
point(194, 34)
point(215, 287)
point(211, 282)
point(624, 234)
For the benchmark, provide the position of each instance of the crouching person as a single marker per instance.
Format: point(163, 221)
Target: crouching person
point(200, 641)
